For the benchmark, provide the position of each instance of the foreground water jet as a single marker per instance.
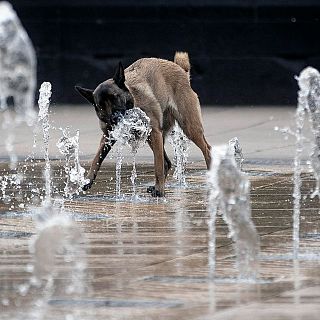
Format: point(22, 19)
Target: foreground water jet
point(57, 250)
point(230, 194)
point(17, 75)
point(17, 64)
point(57, 234)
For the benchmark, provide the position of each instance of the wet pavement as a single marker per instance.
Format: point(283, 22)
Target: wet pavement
point(148, 258)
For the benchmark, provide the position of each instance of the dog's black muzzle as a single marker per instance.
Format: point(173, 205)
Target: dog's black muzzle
point(116, 116)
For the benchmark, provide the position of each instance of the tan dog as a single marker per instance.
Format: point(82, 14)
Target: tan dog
point(160, 88)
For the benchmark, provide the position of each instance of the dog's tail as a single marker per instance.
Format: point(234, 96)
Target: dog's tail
point(182, 60)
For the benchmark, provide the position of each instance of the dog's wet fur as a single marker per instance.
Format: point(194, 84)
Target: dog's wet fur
point(160, 88)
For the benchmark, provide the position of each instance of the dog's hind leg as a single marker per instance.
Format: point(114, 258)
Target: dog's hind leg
point(168, 122)
point(191, 124)
point(104, 148)
point(156, 144)
point(167, 166)
point(167, 162)
point(199, 139)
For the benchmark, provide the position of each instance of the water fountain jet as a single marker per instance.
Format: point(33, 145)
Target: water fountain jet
point(308, 101)
point(43, 117)
point(132, 130)
point(230, 193)
point(180, 144)
point(234, 144)
point(69, 147)
point(17, 76)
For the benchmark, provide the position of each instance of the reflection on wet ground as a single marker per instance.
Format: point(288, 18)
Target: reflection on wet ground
point(148, 258)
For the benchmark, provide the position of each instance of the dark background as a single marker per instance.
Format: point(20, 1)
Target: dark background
point(243, 52)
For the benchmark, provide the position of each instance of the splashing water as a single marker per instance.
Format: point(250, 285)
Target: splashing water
point(17, 82)
point(57, 237)
point(69, 147)
point(58, 244)
point(17, 65)
point(43, 117)
point(132, 130)
point(17, 76)
point(234, 144)
point(12, 181)
point(180, 144)
point(230, 192)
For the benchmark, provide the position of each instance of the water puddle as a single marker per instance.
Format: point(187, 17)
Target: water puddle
point(115, 303)
point(74, 215)
point(15, 234)
point(217, 280)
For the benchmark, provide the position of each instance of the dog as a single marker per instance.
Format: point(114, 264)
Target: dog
point(161, 88)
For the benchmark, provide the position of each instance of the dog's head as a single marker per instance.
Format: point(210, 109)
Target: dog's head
point(111, 98)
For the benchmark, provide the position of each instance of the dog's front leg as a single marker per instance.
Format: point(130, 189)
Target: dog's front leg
point(156, 143)
point(104, 148)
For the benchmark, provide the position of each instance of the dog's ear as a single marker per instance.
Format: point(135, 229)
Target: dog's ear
point(119, 77)
point(86, 93)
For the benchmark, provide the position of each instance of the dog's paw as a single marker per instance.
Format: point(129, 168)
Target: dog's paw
point(154, 192)
point(151, 189)
point(87, 186)
point(157, 193)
